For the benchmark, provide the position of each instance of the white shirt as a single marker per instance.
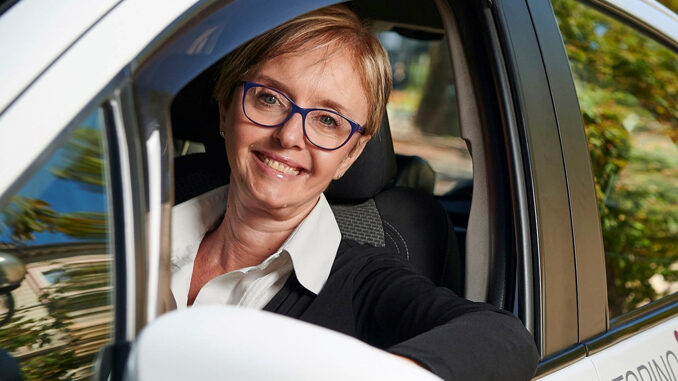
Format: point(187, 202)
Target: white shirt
point(309, 250)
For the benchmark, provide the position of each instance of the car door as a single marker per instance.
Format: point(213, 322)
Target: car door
point(80, 201)
point(621, 57)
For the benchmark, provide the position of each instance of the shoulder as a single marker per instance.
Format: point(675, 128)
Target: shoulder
point(354, 255)
point(364, 267)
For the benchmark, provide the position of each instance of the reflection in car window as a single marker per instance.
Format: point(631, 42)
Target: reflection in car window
point(422, 109)
point(627, 85)
point(57, 224)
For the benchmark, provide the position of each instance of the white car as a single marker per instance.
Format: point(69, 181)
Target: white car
point(545, 131)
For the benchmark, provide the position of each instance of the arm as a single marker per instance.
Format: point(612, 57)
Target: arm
point(405, 313)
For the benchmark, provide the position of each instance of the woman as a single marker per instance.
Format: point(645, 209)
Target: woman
point(297, 106)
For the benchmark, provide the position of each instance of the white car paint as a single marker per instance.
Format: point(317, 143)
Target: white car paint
point(55, 71)
point(651, 355)
point(235, 343)
point(34, 32)
point(650, 12)
point(37, 117)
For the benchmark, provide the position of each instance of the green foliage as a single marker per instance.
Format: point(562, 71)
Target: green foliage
point(84, 159)
point(25, 216)
point(627, 86)
point(670, 4)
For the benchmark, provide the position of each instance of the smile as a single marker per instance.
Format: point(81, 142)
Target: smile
point(278, 166)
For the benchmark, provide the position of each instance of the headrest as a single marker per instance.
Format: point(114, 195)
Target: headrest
point(372, 171)
point(195, 113)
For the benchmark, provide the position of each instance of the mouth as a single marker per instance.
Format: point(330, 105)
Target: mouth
point(278, 166)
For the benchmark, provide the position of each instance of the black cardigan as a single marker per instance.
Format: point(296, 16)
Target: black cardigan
point(375, 296)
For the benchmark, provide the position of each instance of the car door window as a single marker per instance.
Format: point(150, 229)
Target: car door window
point(627, 85)
point(58, 226)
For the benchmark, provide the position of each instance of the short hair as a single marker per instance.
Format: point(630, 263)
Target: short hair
point(322, 27)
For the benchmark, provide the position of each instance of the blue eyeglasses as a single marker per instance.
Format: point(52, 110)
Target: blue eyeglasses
point(268, 107)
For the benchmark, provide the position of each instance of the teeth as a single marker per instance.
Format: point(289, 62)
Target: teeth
point(280, 167)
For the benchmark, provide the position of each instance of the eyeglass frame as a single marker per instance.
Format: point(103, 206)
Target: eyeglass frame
point(355, 127)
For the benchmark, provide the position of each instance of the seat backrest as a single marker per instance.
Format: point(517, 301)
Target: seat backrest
point(368, 207)
point(371, 208)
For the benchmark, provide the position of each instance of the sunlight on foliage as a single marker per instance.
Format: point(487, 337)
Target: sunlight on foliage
point(627, 86)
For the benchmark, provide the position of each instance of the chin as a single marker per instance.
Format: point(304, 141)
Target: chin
point(273, 199)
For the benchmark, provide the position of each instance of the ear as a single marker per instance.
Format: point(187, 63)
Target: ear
point(351, 157)
point(222, 116)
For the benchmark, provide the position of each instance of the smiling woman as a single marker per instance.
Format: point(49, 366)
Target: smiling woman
point(297, 105)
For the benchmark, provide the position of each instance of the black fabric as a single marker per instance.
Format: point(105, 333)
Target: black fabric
point(417, 227)
point(196, 174)
point(374, 295)
point(195, 117)
point(372, 171)
point(410, 223)
point(360, 222)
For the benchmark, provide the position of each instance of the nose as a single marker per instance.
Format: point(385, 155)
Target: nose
point(291, 134)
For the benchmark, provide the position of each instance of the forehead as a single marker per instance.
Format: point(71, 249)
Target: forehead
point(315, 74)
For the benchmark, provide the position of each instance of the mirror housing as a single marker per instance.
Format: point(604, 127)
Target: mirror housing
point(12, 272)
point(234, 343)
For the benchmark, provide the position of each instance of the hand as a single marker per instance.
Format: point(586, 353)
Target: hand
point(409, 360)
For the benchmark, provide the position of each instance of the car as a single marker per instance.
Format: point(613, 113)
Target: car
point(545, 130)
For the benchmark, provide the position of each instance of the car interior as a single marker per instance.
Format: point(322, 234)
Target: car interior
point(386, 198)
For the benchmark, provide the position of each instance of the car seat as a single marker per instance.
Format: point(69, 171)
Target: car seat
point(368, 205)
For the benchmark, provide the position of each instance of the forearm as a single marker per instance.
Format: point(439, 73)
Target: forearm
point(483, 345)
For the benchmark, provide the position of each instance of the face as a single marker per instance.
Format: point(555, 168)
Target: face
point(276, 169)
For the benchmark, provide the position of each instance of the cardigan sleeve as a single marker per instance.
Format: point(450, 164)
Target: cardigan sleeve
point(405, 313)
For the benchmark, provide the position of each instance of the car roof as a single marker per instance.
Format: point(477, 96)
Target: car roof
point(73, 76)
point(649, 14)
point(33, 33)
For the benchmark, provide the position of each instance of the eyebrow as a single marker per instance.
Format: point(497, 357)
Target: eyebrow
point(324, 103)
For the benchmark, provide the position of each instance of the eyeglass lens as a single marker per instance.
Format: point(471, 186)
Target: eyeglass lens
point(268, 107)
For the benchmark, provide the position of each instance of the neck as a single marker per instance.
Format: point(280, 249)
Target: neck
point(247, 236)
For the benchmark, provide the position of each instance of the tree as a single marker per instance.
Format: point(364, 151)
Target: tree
point(627, 85)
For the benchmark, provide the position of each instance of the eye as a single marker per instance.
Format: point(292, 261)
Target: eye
point(268, 98)
point(327, 121)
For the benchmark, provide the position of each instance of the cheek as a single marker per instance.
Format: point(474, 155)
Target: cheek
point(236, 135)
point(239, 134)
point(328, 163)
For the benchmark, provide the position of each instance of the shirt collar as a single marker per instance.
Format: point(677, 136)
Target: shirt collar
point(312, 246)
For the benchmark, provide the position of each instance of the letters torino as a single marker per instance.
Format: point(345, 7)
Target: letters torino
point(663, 368)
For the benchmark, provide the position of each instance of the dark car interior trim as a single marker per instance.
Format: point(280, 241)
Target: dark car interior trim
point(525, 270)
point(552, 237)
point(497, 170)
point(561, 359)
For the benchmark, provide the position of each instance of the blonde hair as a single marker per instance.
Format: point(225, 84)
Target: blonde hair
point(323, 27)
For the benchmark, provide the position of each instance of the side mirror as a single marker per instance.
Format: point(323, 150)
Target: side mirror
point(12, 272)
point(232, 343)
